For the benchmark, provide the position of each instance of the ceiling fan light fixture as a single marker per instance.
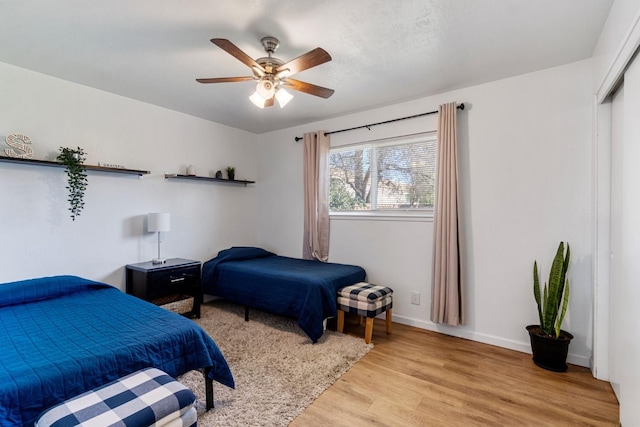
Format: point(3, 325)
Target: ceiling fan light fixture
point(265, 89)
point(283, 97)
point(257, 100)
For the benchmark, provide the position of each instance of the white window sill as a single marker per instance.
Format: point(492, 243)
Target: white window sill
point(414, 216)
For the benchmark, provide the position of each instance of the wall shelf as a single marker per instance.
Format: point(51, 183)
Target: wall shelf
point(206, 178)
point(60, 165)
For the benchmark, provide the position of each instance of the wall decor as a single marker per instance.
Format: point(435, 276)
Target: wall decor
point(77, 181)
point(19, 142)
point(111, 165)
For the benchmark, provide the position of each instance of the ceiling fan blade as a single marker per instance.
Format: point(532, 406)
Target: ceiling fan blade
point(320, 91)
point(269, 102)
point(226, 79)
point(236, 52)
point(303, 62)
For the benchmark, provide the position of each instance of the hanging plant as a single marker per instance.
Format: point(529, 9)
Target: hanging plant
point(77, 182)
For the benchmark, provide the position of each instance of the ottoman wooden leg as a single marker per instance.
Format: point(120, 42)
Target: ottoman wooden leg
point(368, 330)
point(340, 321)
point(388, 319)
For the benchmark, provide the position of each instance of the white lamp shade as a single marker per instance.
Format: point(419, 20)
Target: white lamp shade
point(257, 100)
point(158, 222)
point(283, 97)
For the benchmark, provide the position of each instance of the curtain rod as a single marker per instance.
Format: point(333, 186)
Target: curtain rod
point(459, 107)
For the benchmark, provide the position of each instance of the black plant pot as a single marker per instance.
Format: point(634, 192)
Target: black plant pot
point(549, 353)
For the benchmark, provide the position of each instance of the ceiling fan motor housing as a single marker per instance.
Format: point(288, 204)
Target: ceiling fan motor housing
point(270, 44)
point(270, 64)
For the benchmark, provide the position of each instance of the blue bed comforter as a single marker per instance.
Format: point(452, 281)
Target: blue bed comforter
point(302, 289)
point(63, 335)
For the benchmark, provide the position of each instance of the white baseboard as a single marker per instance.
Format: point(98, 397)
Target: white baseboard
point(524, 347)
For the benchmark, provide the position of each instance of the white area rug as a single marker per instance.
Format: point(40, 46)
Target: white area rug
point(277, 371)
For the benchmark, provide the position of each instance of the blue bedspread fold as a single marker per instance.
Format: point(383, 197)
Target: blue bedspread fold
point(44, 288)
point(303, 289)
point(61, 336)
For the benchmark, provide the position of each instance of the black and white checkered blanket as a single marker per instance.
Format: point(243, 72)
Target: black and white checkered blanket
point(148, 397)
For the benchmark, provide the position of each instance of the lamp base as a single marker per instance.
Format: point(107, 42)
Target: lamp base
point(158, 260)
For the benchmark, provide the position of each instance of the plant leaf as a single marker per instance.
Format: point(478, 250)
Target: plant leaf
point(536, 290)
point(565, 304)
point(555, 290)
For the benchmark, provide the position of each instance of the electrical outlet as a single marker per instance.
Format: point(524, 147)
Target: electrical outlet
point(415, 298)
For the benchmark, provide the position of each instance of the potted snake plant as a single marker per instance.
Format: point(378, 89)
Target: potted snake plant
point(73, 159)
point(549, 343)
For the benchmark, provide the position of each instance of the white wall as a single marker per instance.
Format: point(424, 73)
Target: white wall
point(525, 156)
point(38, 236)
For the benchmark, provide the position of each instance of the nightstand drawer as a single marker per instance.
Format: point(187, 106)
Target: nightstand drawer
point(170, 282)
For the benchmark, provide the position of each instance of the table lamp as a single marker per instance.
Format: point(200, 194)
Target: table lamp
point(158, 222)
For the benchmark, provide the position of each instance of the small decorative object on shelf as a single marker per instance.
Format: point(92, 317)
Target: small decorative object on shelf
point(111, 166)
point(19, 142)
point(231, 172)
point(219, 174)
point(191, 170)
point(77, 181)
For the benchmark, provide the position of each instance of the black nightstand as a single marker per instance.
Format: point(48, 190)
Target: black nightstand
point(167, 284)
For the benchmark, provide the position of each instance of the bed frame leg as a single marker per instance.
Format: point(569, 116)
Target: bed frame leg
point(246, 313)
point(208, 386)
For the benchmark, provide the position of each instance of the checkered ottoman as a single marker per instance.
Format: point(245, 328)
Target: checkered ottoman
point(366, 300)
point(144, 398)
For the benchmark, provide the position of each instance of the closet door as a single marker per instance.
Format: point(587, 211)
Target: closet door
point(625, 247)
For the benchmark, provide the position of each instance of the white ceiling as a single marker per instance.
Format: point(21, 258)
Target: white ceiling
point(383, 51)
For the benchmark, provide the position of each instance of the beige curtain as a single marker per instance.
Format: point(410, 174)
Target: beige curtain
point(447, 293)
point(316, 196)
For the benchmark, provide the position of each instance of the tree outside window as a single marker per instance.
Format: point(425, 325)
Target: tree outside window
point(403, 172)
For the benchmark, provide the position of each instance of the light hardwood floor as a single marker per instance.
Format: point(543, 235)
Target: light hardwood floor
point(414, 377)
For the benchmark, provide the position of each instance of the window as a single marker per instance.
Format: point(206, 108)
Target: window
point(393, 175)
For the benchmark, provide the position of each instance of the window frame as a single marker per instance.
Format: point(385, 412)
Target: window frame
point(415, 214)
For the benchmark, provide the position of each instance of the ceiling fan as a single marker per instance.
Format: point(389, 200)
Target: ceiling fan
point(272, 74)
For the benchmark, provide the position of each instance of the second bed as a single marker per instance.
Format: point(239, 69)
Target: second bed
point(302, 289)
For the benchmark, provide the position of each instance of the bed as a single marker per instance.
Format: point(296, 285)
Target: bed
point(61, 336)
point(302, 289)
